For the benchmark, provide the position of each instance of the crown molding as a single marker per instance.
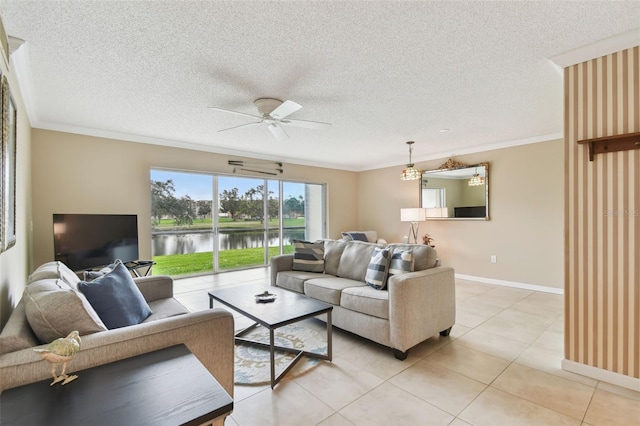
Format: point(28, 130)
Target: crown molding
point(600, 48)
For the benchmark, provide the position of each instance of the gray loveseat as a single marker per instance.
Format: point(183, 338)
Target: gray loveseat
point(209, 334)
point(413, 307)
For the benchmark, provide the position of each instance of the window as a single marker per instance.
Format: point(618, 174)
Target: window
point(433, 198)
point(204, 223)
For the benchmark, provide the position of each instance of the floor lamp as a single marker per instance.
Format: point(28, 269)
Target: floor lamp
point(414, 216)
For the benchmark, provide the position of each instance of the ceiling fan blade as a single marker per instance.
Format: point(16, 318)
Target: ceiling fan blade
point(306, 124)
point(241, 125)
point(233, 112)
point(284, 109)
point(278, 132)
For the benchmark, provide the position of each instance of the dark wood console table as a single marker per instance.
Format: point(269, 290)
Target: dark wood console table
point(166, 387)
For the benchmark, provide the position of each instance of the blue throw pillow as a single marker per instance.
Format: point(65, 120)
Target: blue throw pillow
point(116, 298)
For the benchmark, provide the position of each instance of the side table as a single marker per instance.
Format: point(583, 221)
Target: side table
point(165, 387)
point(136, 265)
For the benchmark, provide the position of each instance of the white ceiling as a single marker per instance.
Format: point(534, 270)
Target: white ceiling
point(381, 72)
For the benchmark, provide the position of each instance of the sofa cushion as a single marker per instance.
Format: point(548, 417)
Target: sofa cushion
point(401, 262)
point(424, 256)
point(116, 298)
point(308, 256)
point(355, 260)
point(54, 310)
point(366, 300)
point(54, 270)
point(378, 269)
point(165, 308)
point(332, 251)
point(328, 289)
point(17, 334)
point(294, 280)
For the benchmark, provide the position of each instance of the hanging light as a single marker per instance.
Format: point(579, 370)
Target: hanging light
point(410, 173)
point(476, 179)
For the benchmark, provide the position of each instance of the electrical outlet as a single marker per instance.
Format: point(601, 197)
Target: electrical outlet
point(494, 258)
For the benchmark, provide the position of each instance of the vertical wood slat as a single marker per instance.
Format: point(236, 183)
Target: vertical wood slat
point(602, 216)
point(635, 167)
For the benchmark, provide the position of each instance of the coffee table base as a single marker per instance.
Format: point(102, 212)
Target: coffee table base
point(288, 308)
point(273, 347)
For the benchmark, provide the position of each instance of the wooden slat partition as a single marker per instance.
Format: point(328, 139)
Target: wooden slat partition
point(602, 215)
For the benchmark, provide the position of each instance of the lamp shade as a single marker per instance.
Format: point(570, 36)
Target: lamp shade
point(413, 215)
point(410, 173)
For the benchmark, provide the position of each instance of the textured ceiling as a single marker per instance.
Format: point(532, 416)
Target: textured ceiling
point(381, 72)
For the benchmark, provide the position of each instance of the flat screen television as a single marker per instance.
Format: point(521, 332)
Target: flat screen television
point(475, 211)
point(84, 241)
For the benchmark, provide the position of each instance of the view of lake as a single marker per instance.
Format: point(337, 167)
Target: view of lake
point(167, 243)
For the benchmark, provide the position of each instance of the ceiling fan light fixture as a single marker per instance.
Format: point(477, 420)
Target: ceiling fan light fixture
point(274, 113)
point(410, 172)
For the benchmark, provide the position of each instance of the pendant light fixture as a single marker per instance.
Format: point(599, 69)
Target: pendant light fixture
point(476, 179)
point(410, 173)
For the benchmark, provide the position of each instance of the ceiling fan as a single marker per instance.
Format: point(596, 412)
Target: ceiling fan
point(274, 113)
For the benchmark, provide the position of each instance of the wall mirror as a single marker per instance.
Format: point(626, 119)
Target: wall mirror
point(456, 191)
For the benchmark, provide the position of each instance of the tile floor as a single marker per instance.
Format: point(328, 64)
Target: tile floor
point(499, 366)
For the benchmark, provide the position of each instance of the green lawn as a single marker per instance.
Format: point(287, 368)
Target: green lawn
point(193, 263)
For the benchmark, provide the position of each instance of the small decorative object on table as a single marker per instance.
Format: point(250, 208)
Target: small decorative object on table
point(61, 350)
point(265, 297)
point(428, 240)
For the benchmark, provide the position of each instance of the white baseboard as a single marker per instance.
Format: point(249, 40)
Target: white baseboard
point(511, 284)
point(602, 375)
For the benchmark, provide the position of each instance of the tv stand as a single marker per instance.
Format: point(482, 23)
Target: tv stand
point(135, 266)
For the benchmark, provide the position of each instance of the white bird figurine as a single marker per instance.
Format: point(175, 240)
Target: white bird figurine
point(61, 350)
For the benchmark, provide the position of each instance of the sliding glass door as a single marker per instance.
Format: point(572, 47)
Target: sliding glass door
point(206, 223)
point(182, 238)
point(241, 222)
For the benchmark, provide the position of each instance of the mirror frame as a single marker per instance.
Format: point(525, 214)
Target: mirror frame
point(451, 164)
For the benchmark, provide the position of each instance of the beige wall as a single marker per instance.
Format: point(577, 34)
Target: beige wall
point(602, 216)
point(526, 225)
point(81, 174)
point(14, 263)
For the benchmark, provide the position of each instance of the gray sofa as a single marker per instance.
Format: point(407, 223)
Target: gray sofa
point(414, 306)
point(209, 334)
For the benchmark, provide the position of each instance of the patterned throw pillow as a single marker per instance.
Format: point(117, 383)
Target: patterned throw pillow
point(358, 236)
point(401, 262)
point(308, 256)
point(378, 268)
point(92, 275)
point(355, 236)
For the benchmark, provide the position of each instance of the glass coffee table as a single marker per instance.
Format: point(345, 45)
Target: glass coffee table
point(286, 308)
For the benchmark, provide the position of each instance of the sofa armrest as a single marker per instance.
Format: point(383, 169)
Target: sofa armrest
point(208, 334)
point(155, 287)
point(421, 304)
point(283, 262)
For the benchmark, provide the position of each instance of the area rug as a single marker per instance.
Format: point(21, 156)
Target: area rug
point(252, 362)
